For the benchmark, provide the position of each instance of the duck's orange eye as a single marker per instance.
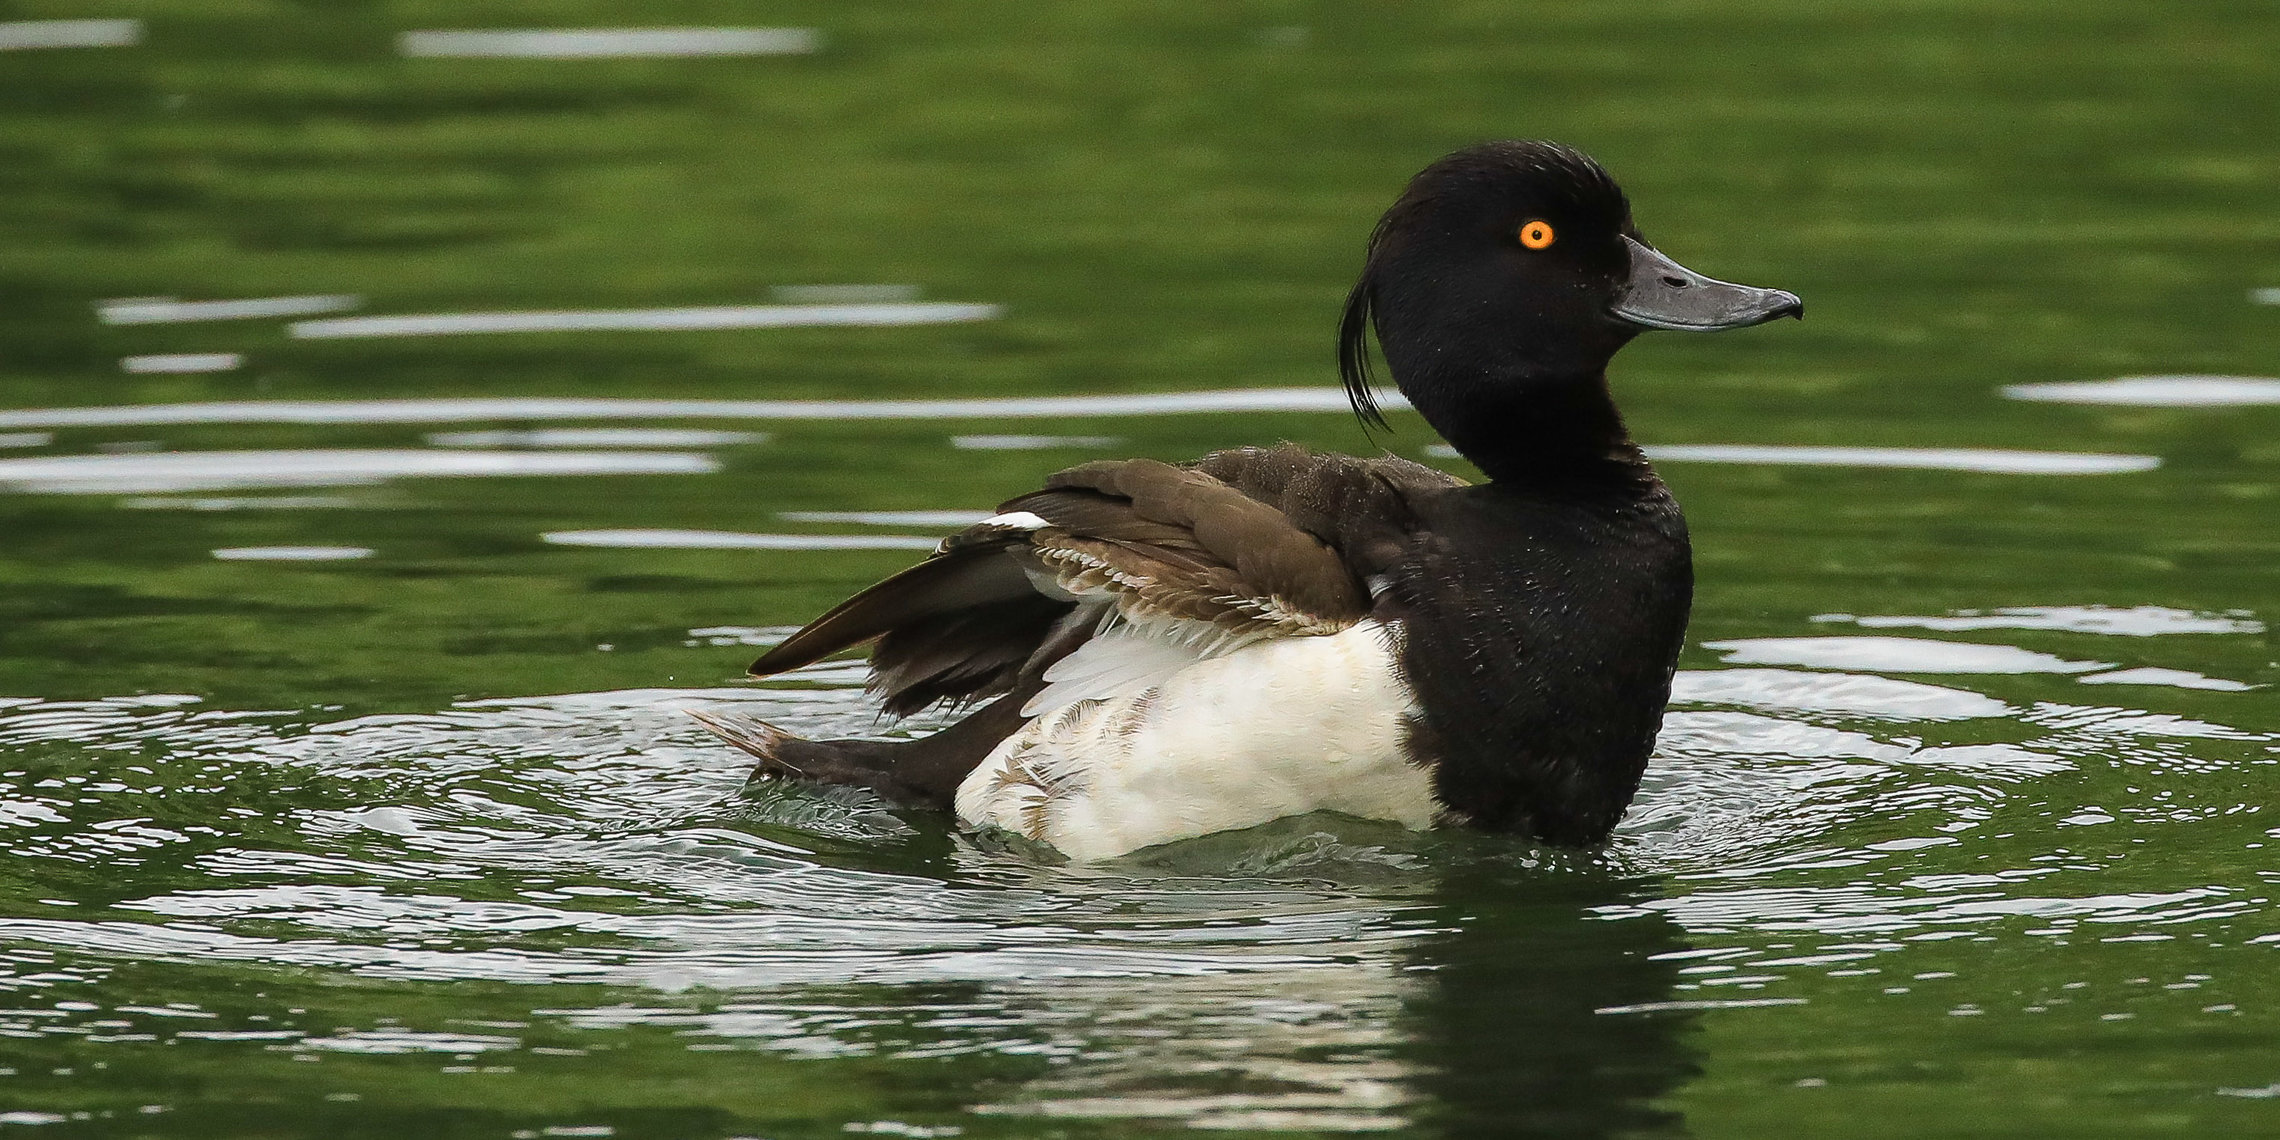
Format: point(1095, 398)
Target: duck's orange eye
point(1536, 235)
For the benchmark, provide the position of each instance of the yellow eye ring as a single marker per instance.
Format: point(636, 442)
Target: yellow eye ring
point(1536, 234)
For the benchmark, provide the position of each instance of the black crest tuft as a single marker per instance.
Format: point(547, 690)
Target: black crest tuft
point(1354, 354)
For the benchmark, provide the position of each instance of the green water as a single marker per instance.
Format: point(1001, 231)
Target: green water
point(1958, 826)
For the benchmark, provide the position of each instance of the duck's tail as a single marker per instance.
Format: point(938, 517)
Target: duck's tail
point(866, 763)
point(924, 772)
point(758, 737)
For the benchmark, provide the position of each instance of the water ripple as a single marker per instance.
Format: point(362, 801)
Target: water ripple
point(1809, 828)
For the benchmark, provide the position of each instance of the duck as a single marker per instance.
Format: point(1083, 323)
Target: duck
point(1146, 652)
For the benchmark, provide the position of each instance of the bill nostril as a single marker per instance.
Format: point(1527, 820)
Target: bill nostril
point(1674, 282)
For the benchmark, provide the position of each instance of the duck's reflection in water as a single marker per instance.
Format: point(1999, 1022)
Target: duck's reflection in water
point(1487, 1000)
point(1531, 1021)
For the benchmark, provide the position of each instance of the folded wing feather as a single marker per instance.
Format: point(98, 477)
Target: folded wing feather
point(1119, 573)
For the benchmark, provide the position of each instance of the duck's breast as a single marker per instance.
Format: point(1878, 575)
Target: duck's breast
point(1277, 728)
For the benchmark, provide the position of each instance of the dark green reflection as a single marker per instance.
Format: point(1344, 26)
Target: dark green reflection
point(1530, 1024)
point(266, 1052)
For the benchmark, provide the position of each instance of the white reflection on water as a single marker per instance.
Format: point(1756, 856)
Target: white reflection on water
point(1864, 911)
point(1920, 655)
point(598, 437)
point(638, 320)
point(292, 553)
point(247, 503)
point(760, 635)
point(395, 1041)
point(183, 362)
point(2156, 391)
point(1896, 655)
point(1852, 694)
point(26, 439)
point(603, 408)
point(2134, 621)
point(2174, 678)
point(167, 310)
point(27, 34)
point(735, 540)
point(942, 519)
point(1029, 442)
point(606, 43)
point(2078, 723)
point(1985, 460)
point(1929, 458)
point(217, 470)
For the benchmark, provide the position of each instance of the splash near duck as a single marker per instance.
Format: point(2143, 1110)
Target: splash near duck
point(1157, 652)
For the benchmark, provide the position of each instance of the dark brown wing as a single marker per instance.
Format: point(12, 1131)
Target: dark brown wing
point(1362, 508)
point(956, 627)
point(1249, 543)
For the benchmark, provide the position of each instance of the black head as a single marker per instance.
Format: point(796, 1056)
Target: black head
point(1513, 262)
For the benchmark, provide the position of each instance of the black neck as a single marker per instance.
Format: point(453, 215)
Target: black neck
point(1532, 429)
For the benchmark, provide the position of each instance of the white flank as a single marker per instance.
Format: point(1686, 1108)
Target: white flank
point(1122, 659)
point(1276, 728)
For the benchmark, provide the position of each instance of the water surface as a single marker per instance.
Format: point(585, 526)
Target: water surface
point(343, 767)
